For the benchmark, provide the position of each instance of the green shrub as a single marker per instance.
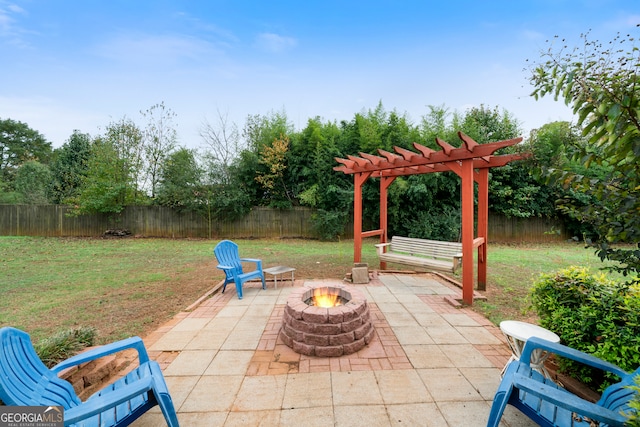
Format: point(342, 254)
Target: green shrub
point(592, 314)
point(436, 224)
point(328, 225)
point(65, 344)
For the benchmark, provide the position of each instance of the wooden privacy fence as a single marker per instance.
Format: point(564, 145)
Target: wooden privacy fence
point(159, 221)
point(152, 221)
point(518, 230)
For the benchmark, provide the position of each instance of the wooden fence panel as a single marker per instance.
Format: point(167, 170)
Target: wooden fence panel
point(261, 222)
point(531, 230)
point(266, 222)
point(159, 221)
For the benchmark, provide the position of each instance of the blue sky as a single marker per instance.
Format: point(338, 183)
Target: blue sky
point(68, 65)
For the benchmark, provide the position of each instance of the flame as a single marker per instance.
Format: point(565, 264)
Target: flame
point(322, 298)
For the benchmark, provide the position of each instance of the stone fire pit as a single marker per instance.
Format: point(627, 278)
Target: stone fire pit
point(326, 332)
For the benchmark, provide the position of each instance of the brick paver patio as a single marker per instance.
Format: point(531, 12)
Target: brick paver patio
point(429, 362)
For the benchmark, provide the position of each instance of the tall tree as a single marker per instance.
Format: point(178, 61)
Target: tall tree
point(113, 172)
point(369, 127)
point(259, 132)
point(105, 187)
point(18, 144)
point(8, 196)
point(180, 181)
point(484, 124)
point(513, 190)
point(553, 144)
point(159, 141)
point(312, 161)
point(274, 158)
point(314, 181)
point(32, 183)
point(222, 146)
point(600, 83)
point(69, 167)
point(127, 139)
point(436, 124)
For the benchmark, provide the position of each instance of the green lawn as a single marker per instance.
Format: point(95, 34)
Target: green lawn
point(512, 269)
point(130, 286)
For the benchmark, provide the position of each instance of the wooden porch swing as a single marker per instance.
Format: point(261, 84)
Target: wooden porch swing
point(471, 162)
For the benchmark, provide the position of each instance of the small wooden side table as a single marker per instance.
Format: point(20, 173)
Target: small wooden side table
point(280, 269)
point(517, 334)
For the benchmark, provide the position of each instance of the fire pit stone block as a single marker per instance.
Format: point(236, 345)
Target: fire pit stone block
point(362, 331)
point(354, 346)
point(302, 348)
point(346, 338)
point(316, 340)
point(293, 333)
point(352, 325)
point(336, 314)
point(327, 329)
point(329, 351)
point(315, 314)
point(301, 326)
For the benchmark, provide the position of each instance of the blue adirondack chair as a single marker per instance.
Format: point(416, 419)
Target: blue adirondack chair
point(229, 261)
point(26, 381)
point(548, 404)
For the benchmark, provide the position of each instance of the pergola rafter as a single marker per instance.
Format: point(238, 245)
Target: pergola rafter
point(471, 161)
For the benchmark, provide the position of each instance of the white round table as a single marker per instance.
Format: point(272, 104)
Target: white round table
point(517, 333)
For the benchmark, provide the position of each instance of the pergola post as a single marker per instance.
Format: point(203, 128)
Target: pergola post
point(358, 182)
point(385, 182)
point(483, 226)
point(467, 230)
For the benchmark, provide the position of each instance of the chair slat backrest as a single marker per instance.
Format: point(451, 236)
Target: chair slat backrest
point(617, 396)
point(24, 379)
point(226, 253)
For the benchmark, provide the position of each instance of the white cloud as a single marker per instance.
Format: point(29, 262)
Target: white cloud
point(275, 43)
point(15, 8)
point(223, 36)
point(5, 22)
point(624, 22)
point(151, 48)
point(9, 30)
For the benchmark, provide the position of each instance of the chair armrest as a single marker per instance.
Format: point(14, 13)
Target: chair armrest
point(250, 260)
point(381, 247)
point(536, 343)
point(109, 400)
point(566, 400)
point(457, 261)
point(224, 267)
point(257, 261)
point(105, 350)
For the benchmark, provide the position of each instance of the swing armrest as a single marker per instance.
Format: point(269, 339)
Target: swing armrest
point(382, 247)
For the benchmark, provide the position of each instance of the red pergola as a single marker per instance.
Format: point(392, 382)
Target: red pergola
point(471, 162)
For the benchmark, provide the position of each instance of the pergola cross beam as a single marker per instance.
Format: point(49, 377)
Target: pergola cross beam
point(471, 162)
